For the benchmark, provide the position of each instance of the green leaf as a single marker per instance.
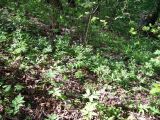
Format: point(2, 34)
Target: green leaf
point(52, 117)
point(133, 31)
point(155, 89)
point(17, 103)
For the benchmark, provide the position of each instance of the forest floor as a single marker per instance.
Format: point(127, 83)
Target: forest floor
point(110, 78)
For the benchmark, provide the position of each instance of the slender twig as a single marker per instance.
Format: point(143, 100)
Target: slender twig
point(88, 23)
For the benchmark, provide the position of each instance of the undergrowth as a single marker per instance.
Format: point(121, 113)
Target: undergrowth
point(111, 78)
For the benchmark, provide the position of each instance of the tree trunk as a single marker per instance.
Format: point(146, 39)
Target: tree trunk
point(72, 3)
point(55, 3)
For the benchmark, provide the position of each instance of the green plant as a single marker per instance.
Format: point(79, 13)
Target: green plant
point(57, 93)
point(3, 36)
point(103, 72)
point(88, 112)
point(156, 60)
point(133, 31)
point(52, 117)
point(154, 110)
point(6, 88)
point(143, 108)
point(89, 57)
point(79, 74)
point(91, 95)
point(18, 87)
point(16, 104)
point(147, 69)
point(155, 89)
point(109, 112)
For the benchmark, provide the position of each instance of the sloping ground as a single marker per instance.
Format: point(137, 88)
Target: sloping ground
point(110, 79)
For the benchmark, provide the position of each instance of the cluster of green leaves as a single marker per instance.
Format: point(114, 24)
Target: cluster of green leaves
point(109, 57)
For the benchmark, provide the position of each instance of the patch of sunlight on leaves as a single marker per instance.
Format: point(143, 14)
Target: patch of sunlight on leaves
point(56, 92)
point(155, 89)
point(51, 74)
point(133, 31)
point(157, 52)
point(146, 28)
point(91, 95)
point(89, 110)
